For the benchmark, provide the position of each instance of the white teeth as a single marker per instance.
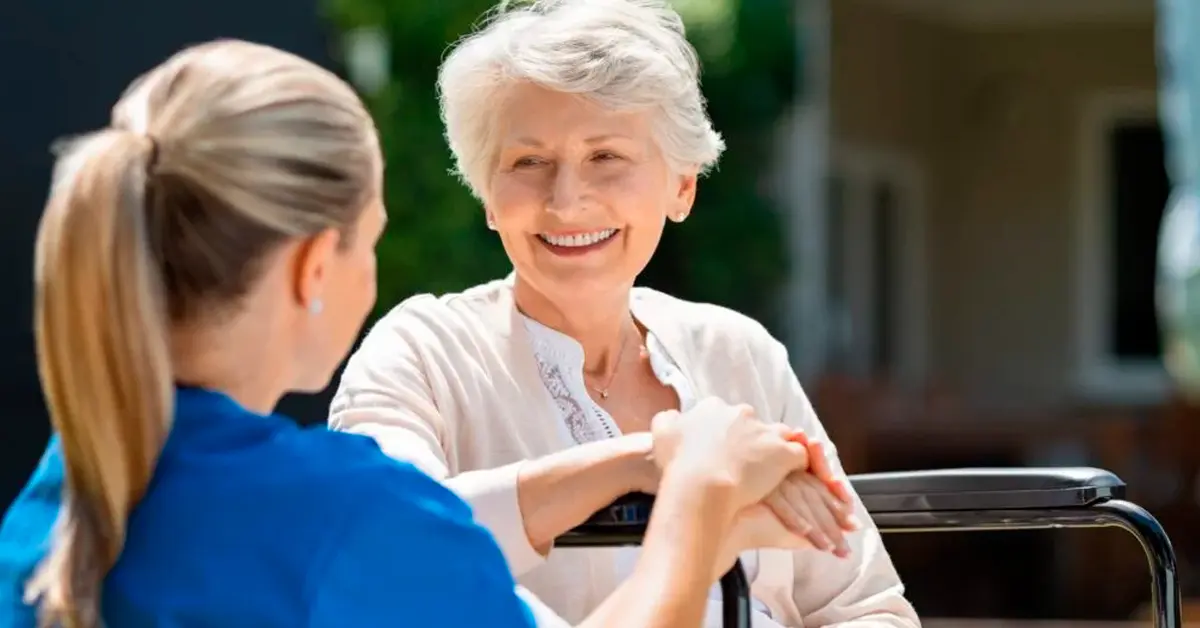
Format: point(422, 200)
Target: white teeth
point(579, 239)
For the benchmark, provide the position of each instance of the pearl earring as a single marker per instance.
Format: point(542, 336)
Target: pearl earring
point(680, 216)
point(315, 307)
point(491, 223)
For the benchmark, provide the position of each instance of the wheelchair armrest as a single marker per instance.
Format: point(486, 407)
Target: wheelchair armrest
point(944, 490)
point(621, 523)
point(986, 489)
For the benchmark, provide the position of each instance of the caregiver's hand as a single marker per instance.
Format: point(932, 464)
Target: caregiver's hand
point(810, 502)
point(757, 527)
point(727, 445)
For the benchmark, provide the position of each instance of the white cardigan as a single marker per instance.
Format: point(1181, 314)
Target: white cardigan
point(450, 384)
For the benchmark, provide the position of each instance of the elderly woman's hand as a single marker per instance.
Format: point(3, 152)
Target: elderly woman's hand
point(815, 503)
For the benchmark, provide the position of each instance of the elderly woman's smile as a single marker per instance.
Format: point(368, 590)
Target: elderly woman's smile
point(573, 243)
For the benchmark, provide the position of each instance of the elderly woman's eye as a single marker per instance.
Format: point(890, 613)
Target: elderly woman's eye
point(605, 155)
point(528, 162)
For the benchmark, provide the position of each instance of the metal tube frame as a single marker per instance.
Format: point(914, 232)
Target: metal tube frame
point(1114, 513)
point(1109, 513)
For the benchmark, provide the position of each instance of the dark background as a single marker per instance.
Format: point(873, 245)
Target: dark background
point(63, 65)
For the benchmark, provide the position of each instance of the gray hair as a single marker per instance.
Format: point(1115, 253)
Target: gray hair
point(621, 54)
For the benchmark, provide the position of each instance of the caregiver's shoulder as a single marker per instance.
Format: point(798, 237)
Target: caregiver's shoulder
point(396, 487)
point(416, 508)
point(325, 468)
point(411, 543)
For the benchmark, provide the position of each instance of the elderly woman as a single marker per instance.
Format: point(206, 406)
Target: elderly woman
point(580, 126)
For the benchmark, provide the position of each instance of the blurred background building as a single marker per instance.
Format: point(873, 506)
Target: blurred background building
point(996, 184)
point(948, 208)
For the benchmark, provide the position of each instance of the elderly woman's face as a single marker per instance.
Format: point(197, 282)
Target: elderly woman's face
point(579, 193)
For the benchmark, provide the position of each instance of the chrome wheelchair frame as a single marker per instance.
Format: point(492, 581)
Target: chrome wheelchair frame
point(952, 500)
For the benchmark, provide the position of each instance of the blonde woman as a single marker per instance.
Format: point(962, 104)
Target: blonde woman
point(207, 252)
point(581, 128)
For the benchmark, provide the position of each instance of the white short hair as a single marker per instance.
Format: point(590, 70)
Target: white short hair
point(621, 54)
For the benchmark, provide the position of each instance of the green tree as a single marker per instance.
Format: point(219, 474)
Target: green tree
point(731, 251)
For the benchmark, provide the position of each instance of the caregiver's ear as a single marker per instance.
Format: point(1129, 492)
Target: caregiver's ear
point(311, 261)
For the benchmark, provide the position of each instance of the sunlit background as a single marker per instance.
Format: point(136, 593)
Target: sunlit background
point(950, 209)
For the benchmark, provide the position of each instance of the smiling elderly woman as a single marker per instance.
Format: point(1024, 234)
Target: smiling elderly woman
point(580, 126)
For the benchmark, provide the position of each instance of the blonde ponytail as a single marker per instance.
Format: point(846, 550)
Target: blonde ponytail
point(104, 362)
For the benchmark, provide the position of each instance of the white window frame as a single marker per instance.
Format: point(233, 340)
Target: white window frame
point(1100, 376)
point(799, 177)
point(859, 168)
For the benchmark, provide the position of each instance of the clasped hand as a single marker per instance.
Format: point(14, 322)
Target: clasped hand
point(789, 496)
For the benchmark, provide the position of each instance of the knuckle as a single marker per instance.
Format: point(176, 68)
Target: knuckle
point(664, 420)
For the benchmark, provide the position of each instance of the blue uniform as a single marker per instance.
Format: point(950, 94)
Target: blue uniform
point(253, 521)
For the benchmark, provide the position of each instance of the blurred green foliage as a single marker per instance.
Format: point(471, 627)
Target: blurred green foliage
point(731, 251)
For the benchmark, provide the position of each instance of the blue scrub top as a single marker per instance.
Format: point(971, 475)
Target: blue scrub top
point(253, 521)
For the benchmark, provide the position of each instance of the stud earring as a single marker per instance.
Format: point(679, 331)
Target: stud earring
point(315, 307)
point(680, 216)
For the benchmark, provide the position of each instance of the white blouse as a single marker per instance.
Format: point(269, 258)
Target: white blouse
point(560, 363)
point(450, 384)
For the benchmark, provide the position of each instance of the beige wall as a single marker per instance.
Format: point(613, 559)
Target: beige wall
point(992, 119)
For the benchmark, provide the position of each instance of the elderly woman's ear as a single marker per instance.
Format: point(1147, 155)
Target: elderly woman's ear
point(685, 197)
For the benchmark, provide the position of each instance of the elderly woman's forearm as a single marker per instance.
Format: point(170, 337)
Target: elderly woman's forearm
point(560, 491)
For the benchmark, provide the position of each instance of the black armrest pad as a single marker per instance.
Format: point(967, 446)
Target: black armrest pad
point(632, 509)
point(621, 523)
point(986, 489)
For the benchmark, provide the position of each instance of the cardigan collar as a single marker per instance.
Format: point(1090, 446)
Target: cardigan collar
point(660, 323)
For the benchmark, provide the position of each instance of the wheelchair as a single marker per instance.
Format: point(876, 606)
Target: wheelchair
point(945, 501)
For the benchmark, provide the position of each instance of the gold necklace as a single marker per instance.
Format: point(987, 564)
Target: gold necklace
point(620, 354)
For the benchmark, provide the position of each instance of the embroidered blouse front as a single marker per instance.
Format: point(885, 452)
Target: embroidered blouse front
point(560, 363)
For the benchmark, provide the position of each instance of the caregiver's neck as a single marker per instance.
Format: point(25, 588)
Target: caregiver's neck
point(600, 322)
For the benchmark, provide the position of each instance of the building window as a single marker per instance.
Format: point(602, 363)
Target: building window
point(1139, 189)
point(876, 275)
point(1124, 193)
point(885, 231)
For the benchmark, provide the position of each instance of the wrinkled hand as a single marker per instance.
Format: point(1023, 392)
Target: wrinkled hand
point(815, 503)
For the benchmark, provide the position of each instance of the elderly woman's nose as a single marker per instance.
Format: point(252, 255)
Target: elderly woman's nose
point(566, 190)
